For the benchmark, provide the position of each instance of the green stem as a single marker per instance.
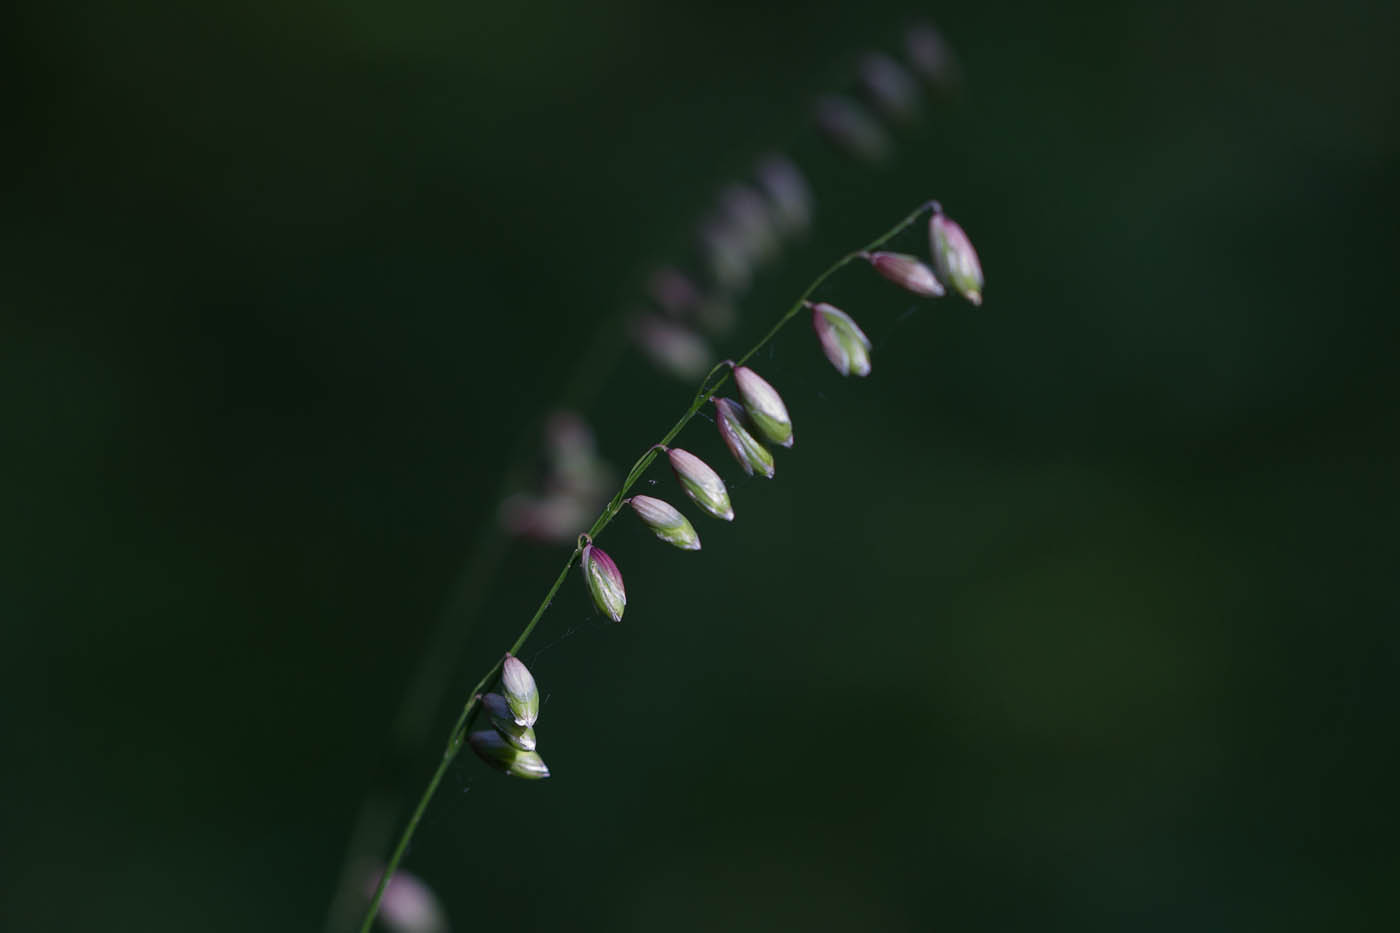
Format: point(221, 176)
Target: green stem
point(719, 373)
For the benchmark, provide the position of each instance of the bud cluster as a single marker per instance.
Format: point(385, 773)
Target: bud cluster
point(509, 745)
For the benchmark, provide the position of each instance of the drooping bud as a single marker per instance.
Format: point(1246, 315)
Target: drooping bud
point(672, 346)
point(492, 748)
point(852, 129)
point(957, 261)
point(765, 406)
point(604, 582)
point(701, 483)
point(842, 340)
point(907, 272)
point(518, 687)
point(665, 522)
point(788, 191)
point(729, 417)
point(889, 86)
point(499, 712)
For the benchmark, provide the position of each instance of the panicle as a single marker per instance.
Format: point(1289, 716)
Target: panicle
point(842, 340)
point(957, 261)
point(666, 522)
point(765, 406)
point(752, 456)
point(907, 272)
point(701, 483)
point(604, 582)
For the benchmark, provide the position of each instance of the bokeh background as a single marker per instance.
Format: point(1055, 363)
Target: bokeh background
point(1079, 613)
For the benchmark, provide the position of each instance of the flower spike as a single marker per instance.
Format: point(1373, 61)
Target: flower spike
point(907, 272)
point(666, 522)
point(604, 582)
point(518, 687)
point(765, 406)
point(701, 483)
point(955, 258)
point(729, 417)
point(842, 340)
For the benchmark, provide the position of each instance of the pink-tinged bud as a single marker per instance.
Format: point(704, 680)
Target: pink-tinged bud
point(604, 582)
point(842, 340)
point(408, 905)
point(907, 272)
point(729, 418)
point(671, 346)
point(666, 522)
point(518, 687)
point(765, 406)
point(890, 88)
point(788, 192)
point(851, 129)
point(956, 259)
point(930, 56)
point(701, 483)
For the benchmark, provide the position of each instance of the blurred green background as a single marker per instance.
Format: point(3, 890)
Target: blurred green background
point(1079, 613)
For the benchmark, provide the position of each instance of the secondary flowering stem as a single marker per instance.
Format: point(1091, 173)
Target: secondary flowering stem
point(713, 380)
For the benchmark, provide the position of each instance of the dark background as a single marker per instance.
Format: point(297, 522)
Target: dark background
point(1079, 613)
